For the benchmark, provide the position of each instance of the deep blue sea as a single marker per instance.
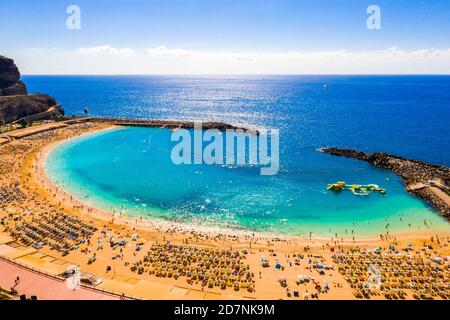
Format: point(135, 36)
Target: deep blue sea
point(404, 115)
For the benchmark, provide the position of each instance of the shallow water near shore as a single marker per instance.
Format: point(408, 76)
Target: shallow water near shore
point(403, 115)
point(129, 170)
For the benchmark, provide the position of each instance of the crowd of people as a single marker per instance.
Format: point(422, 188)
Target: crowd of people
point(26, 217)
point(395, 274)
point(57, 230)
point(10, 193)
point(201, 257)
point(206, 266)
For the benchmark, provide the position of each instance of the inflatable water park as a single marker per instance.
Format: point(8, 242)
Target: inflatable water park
point(356, 189)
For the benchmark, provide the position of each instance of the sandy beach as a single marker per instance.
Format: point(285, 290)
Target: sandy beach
point(164, 260)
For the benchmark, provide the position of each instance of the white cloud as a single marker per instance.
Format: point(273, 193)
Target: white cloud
point(106, 50)
point(389, 53)
point(106, 59)
point(162, 51)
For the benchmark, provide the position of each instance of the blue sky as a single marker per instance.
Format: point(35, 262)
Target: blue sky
point(245, 26)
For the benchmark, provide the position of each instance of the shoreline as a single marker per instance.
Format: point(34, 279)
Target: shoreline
point(150, 223)
point(107, 216)
point(29, 165)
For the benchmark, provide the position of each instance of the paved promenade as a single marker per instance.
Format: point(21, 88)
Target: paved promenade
point(44, 287)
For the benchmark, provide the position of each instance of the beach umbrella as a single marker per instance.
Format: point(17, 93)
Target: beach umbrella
point(278, 265)
point(301, 277)
point(282, 279)
point(437, 259)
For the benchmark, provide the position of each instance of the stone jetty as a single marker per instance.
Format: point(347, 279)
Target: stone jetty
point(174, 124)
point(423, 180)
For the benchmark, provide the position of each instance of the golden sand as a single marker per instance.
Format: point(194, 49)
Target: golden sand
point(126, 270)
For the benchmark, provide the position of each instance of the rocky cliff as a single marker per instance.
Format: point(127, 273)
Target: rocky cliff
point(15, 107)
point(10, 83)
point(15, 103)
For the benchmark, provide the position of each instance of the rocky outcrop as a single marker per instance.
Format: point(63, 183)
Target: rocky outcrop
point(428, 196)
point(10, 83)
point(15, 107)
point(9, 73)
point(15, 103)
point(346, 153)
point(17, 88)
point(412, 172)
point(186, 124)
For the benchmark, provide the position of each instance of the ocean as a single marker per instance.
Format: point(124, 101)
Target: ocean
point(132, 171)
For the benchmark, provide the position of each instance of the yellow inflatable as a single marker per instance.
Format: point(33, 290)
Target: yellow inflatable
point(356, 189)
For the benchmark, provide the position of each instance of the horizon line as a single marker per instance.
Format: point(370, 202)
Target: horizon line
point(237, 74)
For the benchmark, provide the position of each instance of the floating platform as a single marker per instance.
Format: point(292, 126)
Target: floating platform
point(356, 189)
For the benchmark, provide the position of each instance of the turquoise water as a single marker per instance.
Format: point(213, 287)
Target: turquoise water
point(129, 170)
point(403, 115)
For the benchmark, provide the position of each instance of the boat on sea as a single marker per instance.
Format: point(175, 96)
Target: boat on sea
point(356, 189)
